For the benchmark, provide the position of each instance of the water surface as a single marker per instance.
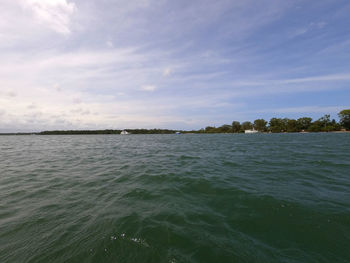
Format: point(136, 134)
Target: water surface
point(175, 198)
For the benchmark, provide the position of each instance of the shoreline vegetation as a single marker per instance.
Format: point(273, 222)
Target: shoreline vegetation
point(275, 125)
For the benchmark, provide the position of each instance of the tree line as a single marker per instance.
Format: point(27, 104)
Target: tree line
point(109, 131)
point(276, 125)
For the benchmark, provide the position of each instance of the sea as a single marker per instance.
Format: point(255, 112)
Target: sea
point(175, 198)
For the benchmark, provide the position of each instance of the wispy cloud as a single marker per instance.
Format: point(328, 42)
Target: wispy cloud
point(146, 63)
point(54, 14)
point(167, 72)
point(321, 78)
point(307, 109)
point(310, 27)
point(109, 44)
point(149, 88)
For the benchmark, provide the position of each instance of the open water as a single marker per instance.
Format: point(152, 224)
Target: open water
point(175, 198)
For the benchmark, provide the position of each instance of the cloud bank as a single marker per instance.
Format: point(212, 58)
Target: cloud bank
point(113, 64)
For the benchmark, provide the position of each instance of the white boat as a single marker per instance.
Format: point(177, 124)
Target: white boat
point(251, 131)
point(124, 132)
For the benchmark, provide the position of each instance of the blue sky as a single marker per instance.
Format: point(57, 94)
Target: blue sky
point(96, 64)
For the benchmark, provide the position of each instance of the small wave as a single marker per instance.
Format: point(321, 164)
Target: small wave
point(137, 240)
point(185, 157)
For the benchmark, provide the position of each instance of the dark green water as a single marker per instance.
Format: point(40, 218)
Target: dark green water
point(175, 198)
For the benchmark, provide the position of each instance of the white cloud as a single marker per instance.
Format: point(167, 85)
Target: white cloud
point(55, 14)
point(8, 94)
point(310, 27)
point(77, 101)
point(148, 88)
point(57, 87)
point(333, 77)
point(109, 44)
point(335, 48)
point(319, 25)
point(31, 106)
point(320, 78)
point(167, 72)
point(307, 109)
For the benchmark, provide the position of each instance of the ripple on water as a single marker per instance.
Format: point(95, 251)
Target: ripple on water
point(167, 198)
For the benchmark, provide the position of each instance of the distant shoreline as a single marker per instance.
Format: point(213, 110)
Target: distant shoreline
point(101, 132)
point(275, 125)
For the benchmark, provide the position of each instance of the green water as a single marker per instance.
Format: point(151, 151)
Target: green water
point(175, 198)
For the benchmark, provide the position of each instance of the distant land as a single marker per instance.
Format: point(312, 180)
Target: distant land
point(275, 125)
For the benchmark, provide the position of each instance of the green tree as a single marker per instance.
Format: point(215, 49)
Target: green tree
point(236, 126)
point(210, 129)
point(225, 128)
point(304, 123)
point(316, 126)
point(260, 125)
point(336, 126)
point(247, 125)
point(322, 124)
point(326, 123)
point(292, 125)
point(326, 119)
point(344, 117)
point(278, 125)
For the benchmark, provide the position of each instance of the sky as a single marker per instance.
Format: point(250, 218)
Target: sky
point(115, 64)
